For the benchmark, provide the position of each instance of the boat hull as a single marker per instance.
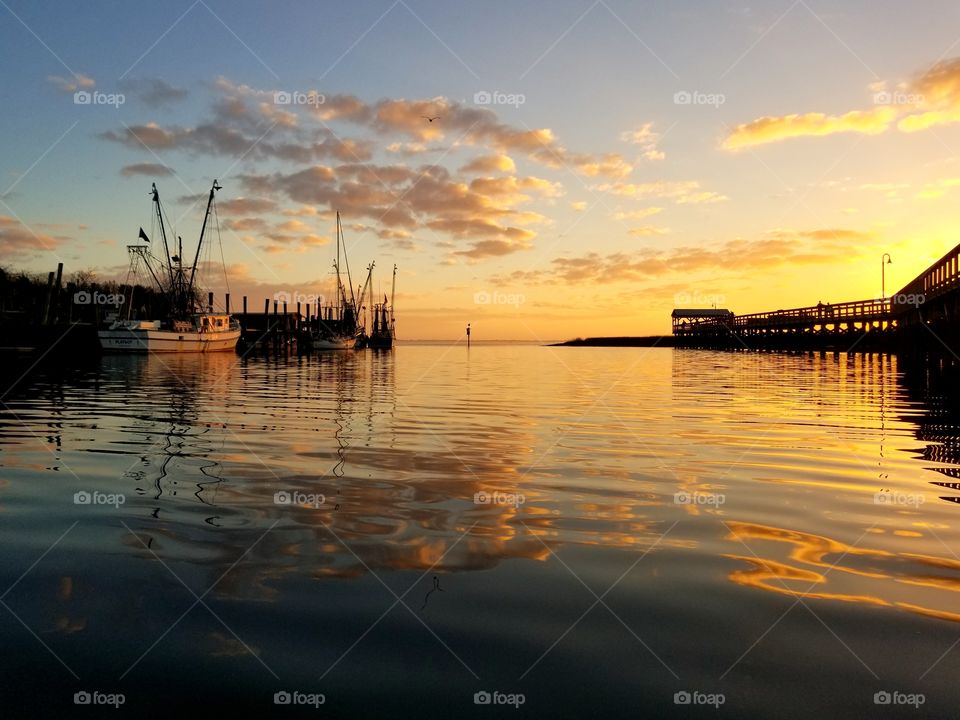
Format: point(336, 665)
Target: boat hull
point(128, 340)
point(333, 343)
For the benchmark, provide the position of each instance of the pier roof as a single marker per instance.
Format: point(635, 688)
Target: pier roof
point(700, 312)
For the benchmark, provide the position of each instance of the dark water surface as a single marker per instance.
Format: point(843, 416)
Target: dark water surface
point(765, 528)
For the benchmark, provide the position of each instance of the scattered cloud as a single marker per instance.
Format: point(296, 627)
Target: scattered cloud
point(21, 242)
point(242, 205)
point(148, 169)
point(637, 214)
point(153, 92)
point(776, 248)
point(930, 99)
point(490, 164)
point(937, 189)
point(773, 129)
point(647, 139)
point(647, 231)
point(73, 83)
point(682, 192)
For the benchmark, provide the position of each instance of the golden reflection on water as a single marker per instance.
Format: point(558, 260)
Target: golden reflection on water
point(808, 551)
point(399, 478)
point(400, 449)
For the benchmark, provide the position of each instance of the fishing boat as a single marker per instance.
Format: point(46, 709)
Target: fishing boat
point(337, 327)
point(382, 321)
point(186, 325)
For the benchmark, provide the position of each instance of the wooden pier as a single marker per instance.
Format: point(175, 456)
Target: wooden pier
point(922, 316)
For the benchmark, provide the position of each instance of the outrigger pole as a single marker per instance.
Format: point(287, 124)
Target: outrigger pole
point(203, 229)
point(393, 293)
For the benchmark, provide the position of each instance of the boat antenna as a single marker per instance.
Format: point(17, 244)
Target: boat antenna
point(196, 257)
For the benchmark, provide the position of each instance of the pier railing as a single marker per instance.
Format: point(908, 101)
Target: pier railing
point(855, 311)
point(938, 279)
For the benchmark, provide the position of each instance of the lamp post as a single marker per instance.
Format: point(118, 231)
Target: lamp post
point(883, 274)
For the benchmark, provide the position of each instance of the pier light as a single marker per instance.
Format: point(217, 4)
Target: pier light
point(884, 261)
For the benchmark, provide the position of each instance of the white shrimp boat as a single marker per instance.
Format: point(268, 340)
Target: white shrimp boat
point(206, 333)
point(188, 327)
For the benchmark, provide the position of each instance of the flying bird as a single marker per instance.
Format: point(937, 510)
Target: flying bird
point(430, 119)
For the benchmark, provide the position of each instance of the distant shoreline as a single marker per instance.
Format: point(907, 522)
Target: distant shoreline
point(642, 341)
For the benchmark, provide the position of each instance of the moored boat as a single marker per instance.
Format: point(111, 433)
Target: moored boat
point(382, 321)
point(203, 333)
point(336, 327)
point(186, 326)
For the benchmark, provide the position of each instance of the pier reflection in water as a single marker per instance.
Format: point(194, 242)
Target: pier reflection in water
point(596, 528)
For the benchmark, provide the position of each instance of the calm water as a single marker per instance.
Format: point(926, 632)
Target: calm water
point(761, 527)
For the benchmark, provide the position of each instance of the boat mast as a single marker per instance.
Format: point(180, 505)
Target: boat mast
point(353, 298)
point(196, 257)
point(373, 308)
point(341, 295)
point(163, 234)
point(363, 291)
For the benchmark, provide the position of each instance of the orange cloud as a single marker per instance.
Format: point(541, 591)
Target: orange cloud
point(18, 240)
point(490, 163)
point(932, 98)
point(776, 248)
point(680, 191)
point(773, 129)
point(647, 231)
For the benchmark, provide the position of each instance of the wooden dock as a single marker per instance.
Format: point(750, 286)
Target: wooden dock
point(922, 316)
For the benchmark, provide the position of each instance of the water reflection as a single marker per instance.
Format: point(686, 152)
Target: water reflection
point(398, 494)
point(898, 539)
point(480, 486)
point(932, 383)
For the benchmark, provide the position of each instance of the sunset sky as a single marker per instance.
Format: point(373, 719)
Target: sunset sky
point(591, 165)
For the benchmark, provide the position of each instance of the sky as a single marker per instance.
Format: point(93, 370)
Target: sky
point(590, 165)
